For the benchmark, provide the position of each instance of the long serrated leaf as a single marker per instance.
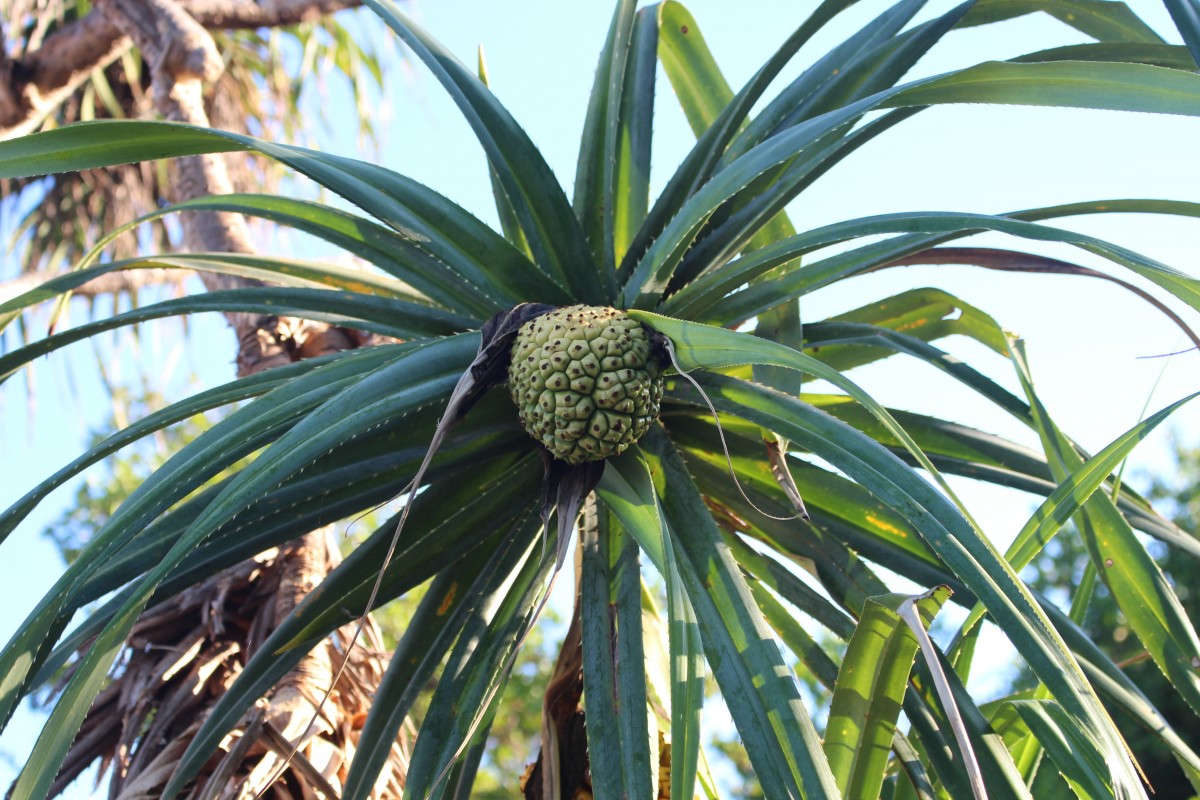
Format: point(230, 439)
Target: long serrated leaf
point(973, 736)
point(468, 502)
point(1073, 493)
point(502, 608)
point(826, 86)
point(614, 669)
point(766, 705)
point(382, 315)
point(797, 639)
point(504, 207)
point(95, 144)
point(927, 734)
point(869, 693)
point(434, 222)
point(456, 521)
point(327, 492)
point(759, 222)
point(704, 95)
point(959, 450)
point(879, 66)
point(317, 432)
point(1121, 691)
point(444, 229)
point(839, 509)
point(1076, 758)
point(770, 573)
point(707, 300)
point(963, 549)
point(792, 101)
point(605, 751)
point(713, 112)
point(632, 175)
point(402, 256)
point(549, 225)
point(1130, 87)
point(597, 201)
point(850, 582)
point(1159, 55)
point(289, 272)
point(858, 344)
point(1137, 584)
point(627, 490)
point(428, 636)
point(231, 439)
point(920, 785)
point(200, 402)
point(687, 681)
point(1100, 85)
point(650, 278)
point(1101, 19)
point(478, 664)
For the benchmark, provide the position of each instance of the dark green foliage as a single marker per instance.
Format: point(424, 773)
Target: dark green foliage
point(745, 569)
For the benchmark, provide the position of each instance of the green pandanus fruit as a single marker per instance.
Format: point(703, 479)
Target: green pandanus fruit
point(585, 381)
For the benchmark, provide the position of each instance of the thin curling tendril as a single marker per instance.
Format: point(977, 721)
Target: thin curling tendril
point(721, 433)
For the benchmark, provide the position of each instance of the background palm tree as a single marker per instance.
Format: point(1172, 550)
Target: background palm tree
point(68, 62)
point(342, 433)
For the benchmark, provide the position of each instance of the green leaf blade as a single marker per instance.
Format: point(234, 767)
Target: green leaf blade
point(1097, 85)
point(868, 696)
point(1076, 758)
point(614, 671)
point(761, 694)
point(964, 551)
point(546, 218)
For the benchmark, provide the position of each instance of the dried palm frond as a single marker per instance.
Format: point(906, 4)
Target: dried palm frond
point(186, 652)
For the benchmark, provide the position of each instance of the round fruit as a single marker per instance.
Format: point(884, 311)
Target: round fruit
point(585, 381)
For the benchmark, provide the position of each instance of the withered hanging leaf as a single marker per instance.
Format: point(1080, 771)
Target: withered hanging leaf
point(777, 458)
point(566, 486)
point(491, 364)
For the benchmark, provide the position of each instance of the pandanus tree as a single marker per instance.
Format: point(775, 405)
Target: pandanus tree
point(653, 348)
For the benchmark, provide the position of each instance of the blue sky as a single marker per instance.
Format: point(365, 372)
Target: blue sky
point(1090, 343)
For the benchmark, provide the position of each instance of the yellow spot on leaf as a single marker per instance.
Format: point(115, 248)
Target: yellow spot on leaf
point(887, 527)
point(914, 324)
